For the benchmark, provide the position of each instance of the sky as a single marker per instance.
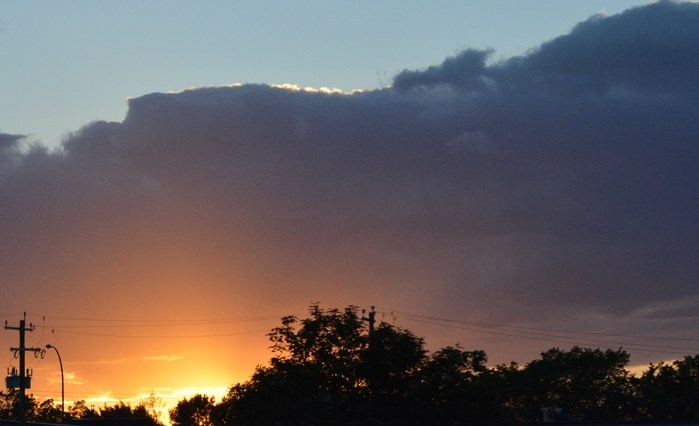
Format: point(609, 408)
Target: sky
point(70, 63)
point(509, 176)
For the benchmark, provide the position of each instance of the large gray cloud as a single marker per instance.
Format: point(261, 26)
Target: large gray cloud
point(564, 179)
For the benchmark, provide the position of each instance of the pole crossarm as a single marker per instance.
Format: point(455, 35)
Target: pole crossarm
point(21, 327)
point(35, 350)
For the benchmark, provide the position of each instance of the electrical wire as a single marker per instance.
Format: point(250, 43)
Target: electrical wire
point(137, 336)
point(579, 338)
point(159, 322)
point(562, 339)
point(495, 325)
point(576, 337)
point(65, 325)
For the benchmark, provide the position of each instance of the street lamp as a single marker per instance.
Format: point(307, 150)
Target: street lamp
point(63, 394)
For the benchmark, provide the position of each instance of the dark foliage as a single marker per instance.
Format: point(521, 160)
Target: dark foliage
point(196, 411)
point(329, 369)
point(47, 411)
point(670, 392)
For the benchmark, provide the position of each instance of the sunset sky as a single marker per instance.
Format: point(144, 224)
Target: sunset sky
point(176, 177)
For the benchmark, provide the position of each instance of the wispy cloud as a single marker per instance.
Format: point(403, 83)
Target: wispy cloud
point(103, 361)
point(168, 358)
point(69, 377)
point(671, 310)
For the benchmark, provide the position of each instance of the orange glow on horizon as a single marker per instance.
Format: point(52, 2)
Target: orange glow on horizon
point(132, 360)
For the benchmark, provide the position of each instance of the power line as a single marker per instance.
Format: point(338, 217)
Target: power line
point(567, 340)
point(544, 334)
point(110, 323)
point(582, 338)
point(158, 322)
point(146, 325)
point(496, 325)
point(136, 336)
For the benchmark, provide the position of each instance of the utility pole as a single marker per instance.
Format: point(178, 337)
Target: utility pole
point(371, 319)
point(24, 375)
point(372, 350)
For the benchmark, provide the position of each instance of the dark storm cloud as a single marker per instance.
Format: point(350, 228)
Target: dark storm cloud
point(651, 49)
point(9, 147)
point(7, 140)
point(563, 178)
point(466, 71)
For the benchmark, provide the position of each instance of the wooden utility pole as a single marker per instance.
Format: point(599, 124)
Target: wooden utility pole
point(371, 319)
point(24, 376)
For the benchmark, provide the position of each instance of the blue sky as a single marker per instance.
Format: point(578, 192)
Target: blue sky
point(69, 63)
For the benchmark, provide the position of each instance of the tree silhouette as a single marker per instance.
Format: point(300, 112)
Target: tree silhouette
point(453, 386)
point(670, 392)
point(123, 410)
point(44, 411)
point(330, 368)
point(327, 369)
point(586, 383)
point(80, 410)
point(195, 411)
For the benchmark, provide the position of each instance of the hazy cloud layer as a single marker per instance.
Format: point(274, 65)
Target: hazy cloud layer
point(565, 180)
